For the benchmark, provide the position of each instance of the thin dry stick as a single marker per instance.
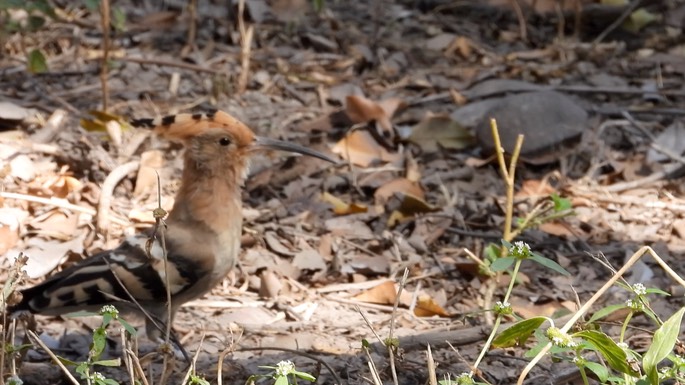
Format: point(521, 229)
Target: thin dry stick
point(127, 359)
point(166, 63)
point(222, 356)
point(368, 323)
point(628, 11)
point(586, 307)
point(107, 191)
point(36, 340)
point(391, 347)
point(191, 369)
point(523, 28)
point(432, 377)
point(160, 229)
point(57, 202)
point(245, 47)
point(104, 19)
point(508, 174)
point(136, 363)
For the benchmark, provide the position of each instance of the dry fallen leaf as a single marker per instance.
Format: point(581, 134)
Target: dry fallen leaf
point(56, 224)
point(435, 131)
point(59, 186)
point(150, 162)
point(535, 188)
point(342, 208)
point(556, 228)
point(410, 206)
point(384, 294)
point(45, 255)
point(362, 110)
point(427, 307)
point(360, 148)
point(399, 185)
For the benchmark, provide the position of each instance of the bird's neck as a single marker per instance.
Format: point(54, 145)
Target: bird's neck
point(210, 199)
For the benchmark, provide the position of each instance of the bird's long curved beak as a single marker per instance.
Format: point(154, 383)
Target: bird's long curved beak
point(262, 143)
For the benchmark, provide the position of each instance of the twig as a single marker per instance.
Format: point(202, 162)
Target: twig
point(136, 363)
point(36, 340)
point(432, 377)
point(51, 128)
point(105, 23)
point(222, 356)
point(191, 369)
point(166, 63)
point(245, 47)
point(57, 202)
point(391, 346)
point(523, 30)
point(107, 191)
point(368, 323)
point(631, 8)
point(586, 307)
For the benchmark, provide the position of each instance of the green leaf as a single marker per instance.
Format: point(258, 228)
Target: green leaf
point(662, 344)
point(605, 311)
point(67, 362)
point(550, 264)
point(119, 19)
point(82, 368)
point(106, 319)
point(492, 252)
point(92, 5)
point(43, 6)
point(281, 380)
point(519, 333)
point(9, 4)
point(81, 314)
point(502, 264)
point(560, 204)
point(99, 341)
point(129, 329)
point(304, 376)
point(654, 290)
point(108, 381)
point(612, 353)
point(599, 370)
point(36, 62)
point(197, 380)
point(112, 362)
point(35, 23)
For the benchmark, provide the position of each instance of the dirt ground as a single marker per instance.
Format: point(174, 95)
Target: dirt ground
point(402, 93)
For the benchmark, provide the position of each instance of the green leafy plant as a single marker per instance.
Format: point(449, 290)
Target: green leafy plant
point(619, 364)
point(284, 373)
point(87, 368)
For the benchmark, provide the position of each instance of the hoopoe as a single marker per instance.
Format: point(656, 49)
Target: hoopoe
point(202, 234)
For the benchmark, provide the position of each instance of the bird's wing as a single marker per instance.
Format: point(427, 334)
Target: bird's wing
point(134, 270)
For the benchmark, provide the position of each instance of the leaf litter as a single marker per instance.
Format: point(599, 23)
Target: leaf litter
point(399, 96)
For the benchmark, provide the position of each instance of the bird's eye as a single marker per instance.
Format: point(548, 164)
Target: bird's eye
point(224, 141)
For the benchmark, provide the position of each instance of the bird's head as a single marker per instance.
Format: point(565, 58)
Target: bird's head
point(218, 141)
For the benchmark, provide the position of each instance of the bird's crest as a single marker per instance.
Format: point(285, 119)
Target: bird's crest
point(182, 127)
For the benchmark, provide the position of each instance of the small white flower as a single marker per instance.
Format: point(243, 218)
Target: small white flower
point(284, 368)
point(622, 345)
point(639, 289)
point(522, 248)
point(109, 309)
point(98, 376)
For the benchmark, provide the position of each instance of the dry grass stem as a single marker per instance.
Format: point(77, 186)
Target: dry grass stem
point(36, 341)
point(104, 66)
